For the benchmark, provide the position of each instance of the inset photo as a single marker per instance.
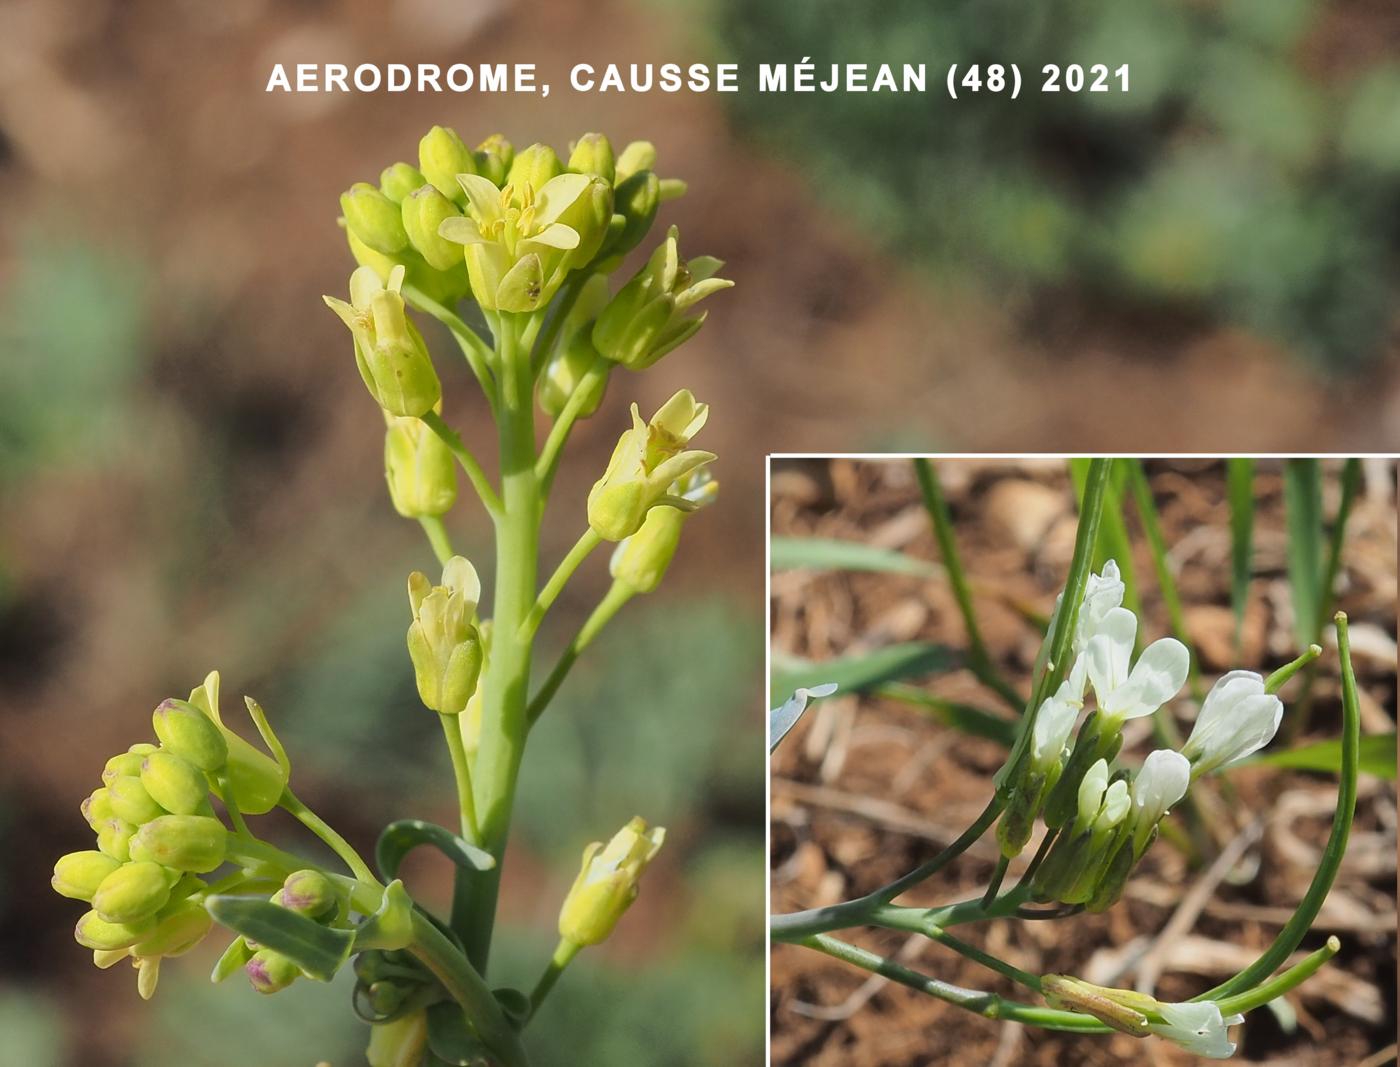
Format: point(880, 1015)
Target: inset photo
point(1082, 760)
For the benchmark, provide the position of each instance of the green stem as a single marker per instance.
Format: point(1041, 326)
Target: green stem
point(564, 953)
point(1301, 920)
point(979, 660)
point(1283, 982)
point(994, 886)
point(461, 773)
point(477, 352)
point(548, 462)
point(466, 987)
point(506, 680)
point(617, 595)
point(542, 340)
point(489, 500)
point(1274, 682)
point(560, 578)
point(988, 1005)
point(326, 833)
point(436, 530)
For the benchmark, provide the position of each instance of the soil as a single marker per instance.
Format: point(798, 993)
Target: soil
point(865, 788)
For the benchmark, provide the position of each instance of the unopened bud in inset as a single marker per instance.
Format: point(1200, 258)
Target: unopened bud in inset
point(194, 843)
point(134, 891)
point(175, 783)
point(78, 874)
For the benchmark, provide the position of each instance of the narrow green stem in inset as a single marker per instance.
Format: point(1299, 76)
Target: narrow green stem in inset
point(977, 656)
point(1274, 682)
point(1283, 982)
point(994, 885)
point(1299, 923)
point(461, 773)
point(553, 449)
point(436, 530)
point(617, 595)
point(326, 833)
point(477, 352)
point(564, 953)
point(560, 578)
point(467, 461)
point(988, 1005)
point(506, 679)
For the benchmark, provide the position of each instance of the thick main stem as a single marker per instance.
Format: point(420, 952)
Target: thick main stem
point(506, 681)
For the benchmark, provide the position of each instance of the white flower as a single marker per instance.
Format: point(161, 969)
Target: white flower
point(1102, 593)
point(1237, 719)
point(1091, 791)
point(1162, 781)
point(1155, 678)
point(783, 718)
point(1056, 718)
point(1198, 1028)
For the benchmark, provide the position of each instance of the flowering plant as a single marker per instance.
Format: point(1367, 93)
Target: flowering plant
point(1083, 811)
point(526, 242)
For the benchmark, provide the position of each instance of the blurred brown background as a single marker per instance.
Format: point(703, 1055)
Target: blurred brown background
point(189, 467)
point(868, 786)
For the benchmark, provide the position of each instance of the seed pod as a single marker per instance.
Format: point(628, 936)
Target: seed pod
point(94, 932)
point(133, 892)
point(271, 972)
point(114, 839)
point(193, 843)
point(78, 874)
point(131, 802)
point(174, 783)
point(188, 732)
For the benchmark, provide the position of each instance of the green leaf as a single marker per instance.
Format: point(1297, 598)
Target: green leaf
point(451, 1038)
point(318, 950)
point(1302, 498)
point(1239, 481)
point(1377, 756)
point(863, 670)
point(400, 838)
point(832, 554)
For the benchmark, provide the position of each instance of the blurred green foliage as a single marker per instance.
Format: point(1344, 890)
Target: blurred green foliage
point(1230, 184)
point(33, 1028)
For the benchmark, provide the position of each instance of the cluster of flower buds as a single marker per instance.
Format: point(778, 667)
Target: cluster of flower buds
point(1104, 817)
point(443, 640)
point(308, 893)
point(157, 833)
point(607, 883)
point(650, 458)
point(1197, 1026)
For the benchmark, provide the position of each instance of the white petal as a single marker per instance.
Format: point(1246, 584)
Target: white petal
point(1162, 781)
point(1091, 790)
point(1157, 676)
point(1198, 1028)
point(1052, 728)
point(1116, 803)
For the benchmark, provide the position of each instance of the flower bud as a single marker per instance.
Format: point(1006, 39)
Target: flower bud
point(647, 460)
point(399, 179)
point(179, 927)
point(564, 374)
point(424, 210)
point(188, 732)
point(441, 157)
point(251, 779)
point(635, 200)
point(640, 561)
point(373, 218)
point(1098, 739)
point(1109, 1006)
point(1237, 719)
point(443, 643)
point(309, 893)
point(493, 159)
point(131, 802)
point(419, 469)
point(271, 972)
point(534, 167)
point(134, 891)
point(97, 808)
point(607, 883)
point(174, 783)
point(114, 839)
point(1017, 822)
point(672, 189)
point(78, 874)
point(589, 216)
point(123, 763)
point(97, 933)
point(635, 157)
point(593, 154)
point(647, 317)
point(389, 350)
point(194, 843)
